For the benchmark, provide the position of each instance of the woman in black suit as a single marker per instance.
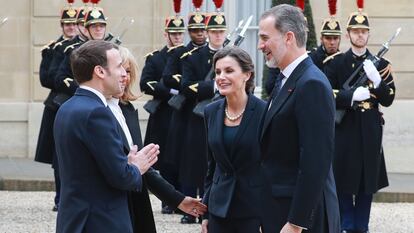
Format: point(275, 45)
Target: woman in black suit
point(234, 182)
point(139, 202)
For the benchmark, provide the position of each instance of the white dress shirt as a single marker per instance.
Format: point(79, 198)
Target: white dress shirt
point(116, 110)
point(291, 67)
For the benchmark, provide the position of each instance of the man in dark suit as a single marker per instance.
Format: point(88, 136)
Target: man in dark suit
point(297, 137)
point(95, 173)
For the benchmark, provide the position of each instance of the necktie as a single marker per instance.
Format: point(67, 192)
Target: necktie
point(278, 85)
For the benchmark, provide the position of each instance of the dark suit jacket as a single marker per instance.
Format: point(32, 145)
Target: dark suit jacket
point(139, 202)
point(94, 170)
point(234, 181)
point(297, 142)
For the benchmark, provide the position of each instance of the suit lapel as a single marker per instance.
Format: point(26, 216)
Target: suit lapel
point(284, 93)
point(248, 114)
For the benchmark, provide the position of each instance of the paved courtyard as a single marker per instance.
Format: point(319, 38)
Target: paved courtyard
point(30, 212)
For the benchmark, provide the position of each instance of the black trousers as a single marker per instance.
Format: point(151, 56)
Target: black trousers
point(233, 225)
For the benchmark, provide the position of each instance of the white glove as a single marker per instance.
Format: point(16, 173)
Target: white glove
point(372, 72)
point(174, 91)
point(361, 94)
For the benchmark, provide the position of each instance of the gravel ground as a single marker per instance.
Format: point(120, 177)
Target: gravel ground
point(24, 212)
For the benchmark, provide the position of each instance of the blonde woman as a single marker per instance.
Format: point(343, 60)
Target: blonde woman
point(139, 203)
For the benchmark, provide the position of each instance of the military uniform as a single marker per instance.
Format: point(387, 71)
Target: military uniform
point(330, 27)
point(151, 84)
point(45, 149)
point(359, 165)
point(196, 88)
point(320, 57)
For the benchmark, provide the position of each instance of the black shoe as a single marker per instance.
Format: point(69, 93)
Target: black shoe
point(167, 210)
point(188, 219)
point(55, 208)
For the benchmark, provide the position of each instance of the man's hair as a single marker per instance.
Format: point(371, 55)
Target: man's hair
point(242, 58)
point(289, 18)
point(84, 59)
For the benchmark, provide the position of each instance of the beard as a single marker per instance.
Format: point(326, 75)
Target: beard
point(272, 63)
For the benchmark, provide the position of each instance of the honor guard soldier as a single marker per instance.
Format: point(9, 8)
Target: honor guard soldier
point(95, 27)
point(330, 39)
point(172, 79)
point(59, 48)
point(198, 85)
point(152, 84)
point(45, 150)
point(359, 164)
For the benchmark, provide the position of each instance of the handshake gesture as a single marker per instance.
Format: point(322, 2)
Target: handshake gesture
point(144, 158)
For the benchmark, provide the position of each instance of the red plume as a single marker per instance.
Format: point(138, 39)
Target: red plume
point(85, 1)
point(218, 3)
point(95, 1)
point(197, 3)
point(71, 1)
point(332, 7)
point(360, 4)
point(301, 4)
point(177, 6)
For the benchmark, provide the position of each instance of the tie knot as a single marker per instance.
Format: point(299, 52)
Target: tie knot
point(280, 77)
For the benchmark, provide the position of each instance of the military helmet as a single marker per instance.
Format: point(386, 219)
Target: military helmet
point(68, 13)
point(80, 18)
point(216, 20)
point(94, 15)
point(358, 19)
point(331, 25)
point(197, 19)
point(175, 23)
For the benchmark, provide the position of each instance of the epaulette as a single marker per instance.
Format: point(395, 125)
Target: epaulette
point(172, 48)
point(189, 52)
point(151, 53)
point(72, 46)
point(60, 43)
point(328, 58)
point(47, 46)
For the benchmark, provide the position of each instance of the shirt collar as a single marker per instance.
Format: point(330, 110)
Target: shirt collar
point(96, 92)
point(291, 67)
point(113, 101)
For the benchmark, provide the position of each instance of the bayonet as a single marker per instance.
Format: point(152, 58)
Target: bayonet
point(240, 37)
point(230, 35)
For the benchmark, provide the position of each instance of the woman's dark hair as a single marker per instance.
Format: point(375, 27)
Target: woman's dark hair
point(243, 59)
point(87, 56)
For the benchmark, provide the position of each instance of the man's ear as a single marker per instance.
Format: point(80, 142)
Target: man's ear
point(99, 71)
point(290, 37)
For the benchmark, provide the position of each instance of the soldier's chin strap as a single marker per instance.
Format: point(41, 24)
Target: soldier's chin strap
point(81, 33)
point(169, 38)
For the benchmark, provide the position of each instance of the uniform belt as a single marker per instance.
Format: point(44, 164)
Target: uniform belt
point(364, 106)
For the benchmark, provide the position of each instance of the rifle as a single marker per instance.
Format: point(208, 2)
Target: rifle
point(230, 35)
point(199, 108)
point(362, 76)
